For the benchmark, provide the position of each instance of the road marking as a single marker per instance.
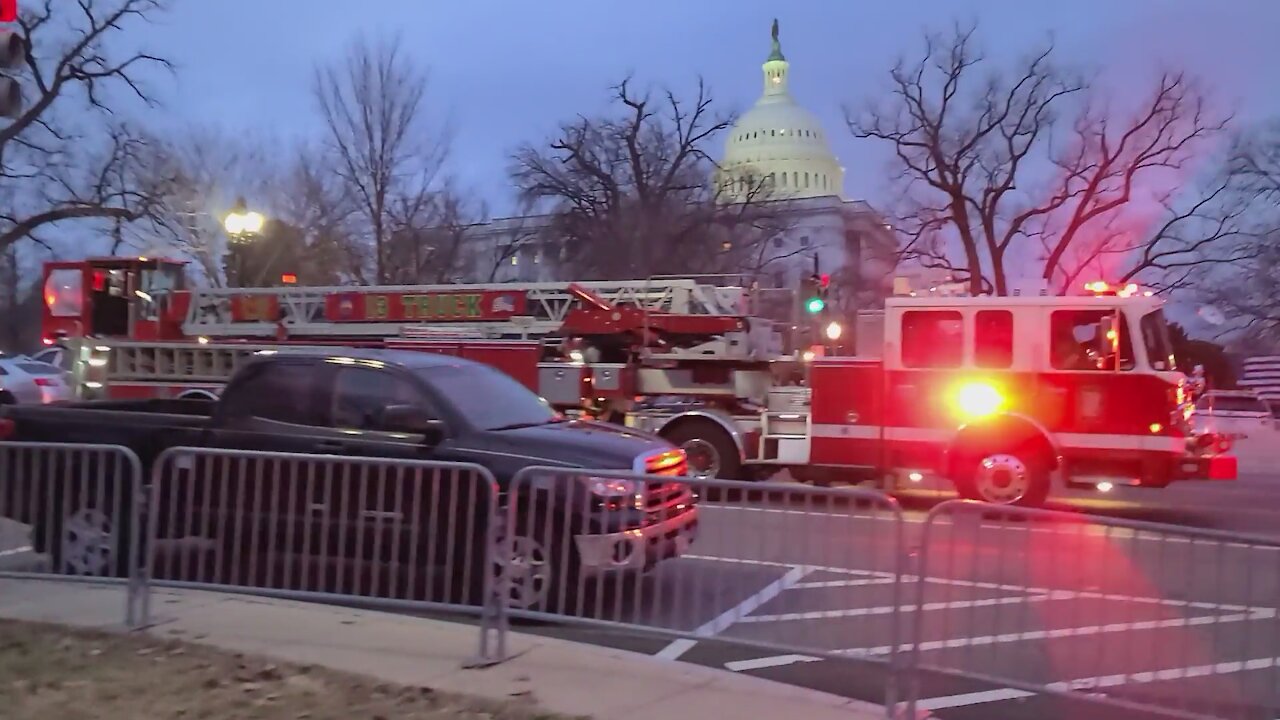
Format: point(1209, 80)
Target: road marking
point(16, 551)
point(860, 582)
point(1058, 633)
point(982, 640)
point(887, 609)
point(735, 614)
point(974, 698)
point(1056, 594)
point(768, 662)
point(887, 515)
point(1084, 529)
point(1103, 681)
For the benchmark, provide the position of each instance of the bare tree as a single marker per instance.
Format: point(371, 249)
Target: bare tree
point(384, 151)
point(1029, 166)
point(432, 240)
point(1247, 294)
point(311, 198)
point(635, 192)
point(198, 172)
point(54, 169)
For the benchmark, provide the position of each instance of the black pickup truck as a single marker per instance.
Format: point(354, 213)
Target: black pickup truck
point(373, 404)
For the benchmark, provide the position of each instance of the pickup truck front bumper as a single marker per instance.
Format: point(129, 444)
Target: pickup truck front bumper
point(638, 549)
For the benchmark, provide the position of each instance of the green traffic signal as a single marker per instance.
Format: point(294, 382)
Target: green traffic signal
point(815, 305)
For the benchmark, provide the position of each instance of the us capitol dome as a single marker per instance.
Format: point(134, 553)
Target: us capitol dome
point(777, 149)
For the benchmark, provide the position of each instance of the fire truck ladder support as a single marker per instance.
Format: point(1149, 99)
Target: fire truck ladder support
point(303, 309)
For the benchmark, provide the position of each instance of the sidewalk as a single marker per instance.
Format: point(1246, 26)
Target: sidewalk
point(559, 676)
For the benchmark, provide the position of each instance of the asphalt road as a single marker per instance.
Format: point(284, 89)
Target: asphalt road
point(800, 592)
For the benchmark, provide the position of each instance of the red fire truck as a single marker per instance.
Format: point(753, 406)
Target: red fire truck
point(1003, 398)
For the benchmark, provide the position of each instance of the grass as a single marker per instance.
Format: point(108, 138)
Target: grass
point(49, 671)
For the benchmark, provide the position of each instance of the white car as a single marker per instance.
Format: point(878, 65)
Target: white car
point(1234, 413)
point(23, 380)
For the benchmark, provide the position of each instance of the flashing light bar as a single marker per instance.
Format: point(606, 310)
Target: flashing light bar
point(1102, 288)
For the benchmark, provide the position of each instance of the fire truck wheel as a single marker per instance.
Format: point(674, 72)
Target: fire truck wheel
point(712, 453)
point(1019, 477)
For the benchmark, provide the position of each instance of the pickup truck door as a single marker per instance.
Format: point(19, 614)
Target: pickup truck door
point(436, 515)
point(359, 528)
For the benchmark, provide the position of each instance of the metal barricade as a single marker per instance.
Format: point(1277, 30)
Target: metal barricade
point(1135, 615)
point(378, 532)
point(69, 512)
point(759, 565)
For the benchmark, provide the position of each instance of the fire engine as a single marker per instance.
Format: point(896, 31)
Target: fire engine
point(1000, 397)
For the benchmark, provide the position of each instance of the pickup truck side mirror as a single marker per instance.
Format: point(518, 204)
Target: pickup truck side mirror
point(412, 420)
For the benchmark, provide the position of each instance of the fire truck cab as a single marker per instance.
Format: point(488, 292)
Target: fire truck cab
point(1000, 397)
point(137, 298)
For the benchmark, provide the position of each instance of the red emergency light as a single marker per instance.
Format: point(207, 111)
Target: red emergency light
point(1102, 288)
point(289, 279)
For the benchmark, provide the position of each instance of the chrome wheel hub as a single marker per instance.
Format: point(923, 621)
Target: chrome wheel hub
point(88, 542)
point(703, 458)
point(525, 572)
point(1002, 479)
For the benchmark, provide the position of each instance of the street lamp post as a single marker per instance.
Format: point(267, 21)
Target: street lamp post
point(242, 226)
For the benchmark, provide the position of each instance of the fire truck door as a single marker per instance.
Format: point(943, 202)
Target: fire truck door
point(846, 412)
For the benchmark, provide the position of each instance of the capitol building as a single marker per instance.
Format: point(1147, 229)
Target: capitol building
point(776, 150)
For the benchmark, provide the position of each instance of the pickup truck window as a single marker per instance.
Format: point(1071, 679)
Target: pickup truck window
point(489, 399)
point(361, 394)
point(278, 391)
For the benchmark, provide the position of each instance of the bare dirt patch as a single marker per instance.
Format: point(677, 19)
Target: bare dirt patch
point(49, 671)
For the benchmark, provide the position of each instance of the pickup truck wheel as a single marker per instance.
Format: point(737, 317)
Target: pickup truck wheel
point(88, 542)
point(540, 572)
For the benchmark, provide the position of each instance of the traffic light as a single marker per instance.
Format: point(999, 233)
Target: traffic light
point(814, 294)
point(13, 53)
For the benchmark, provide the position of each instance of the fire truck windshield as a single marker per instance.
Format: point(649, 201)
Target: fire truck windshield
point(1155, 337)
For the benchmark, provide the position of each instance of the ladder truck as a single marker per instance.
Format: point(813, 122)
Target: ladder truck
point(1001, 399)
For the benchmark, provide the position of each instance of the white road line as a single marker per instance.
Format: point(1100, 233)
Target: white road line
point(1081, 530)
point(1056, 594)
point(809, 513)
point(774, 564)
point(768, 662)
point(887, 609)
point(735, 614)
point(1104, 681)
point(860, 582)
point(974, 698)
point(1031, 635)
point(16, 551)
point(1058, 633)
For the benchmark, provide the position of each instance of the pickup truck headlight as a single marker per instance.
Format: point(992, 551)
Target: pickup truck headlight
point(611, 487)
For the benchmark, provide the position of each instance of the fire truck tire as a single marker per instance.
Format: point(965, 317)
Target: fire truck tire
point(712, 452)
point(1018, 476)
point(198, 395)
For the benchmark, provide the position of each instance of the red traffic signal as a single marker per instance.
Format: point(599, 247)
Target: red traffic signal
point(824, 280)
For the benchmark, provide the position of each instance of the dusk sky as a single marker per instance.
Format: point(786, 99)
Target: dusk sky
point(508, 72)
